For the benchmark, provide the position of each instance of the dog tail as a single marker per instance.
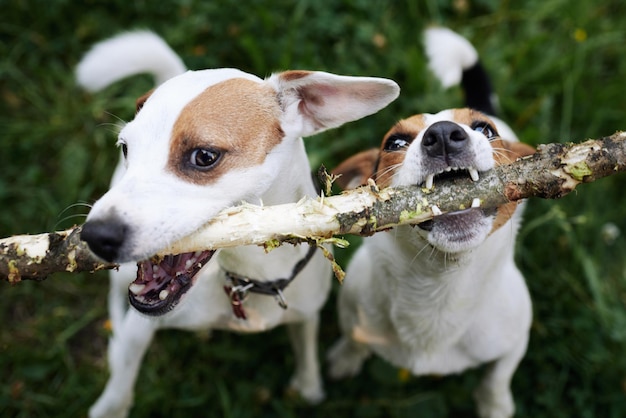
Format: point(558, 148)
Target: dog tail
point(128, 54)
point(454, 60)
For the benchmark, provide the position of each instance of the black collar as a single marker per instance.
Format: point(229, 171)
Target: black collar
point(237, 287)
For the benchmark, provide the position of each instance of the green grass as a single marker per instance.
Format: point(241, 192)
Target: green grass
point(558, 67)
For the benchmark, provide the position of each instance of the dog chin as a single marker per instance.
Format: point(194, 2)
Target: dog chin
point(456, 232)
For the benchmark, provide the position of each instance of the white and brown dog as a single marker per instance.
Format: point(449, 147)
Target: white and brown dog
point(445, 295)
point(201, 142)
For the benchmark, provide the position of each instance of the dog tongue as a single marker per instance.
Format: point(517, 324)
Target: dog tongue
point(161, 281)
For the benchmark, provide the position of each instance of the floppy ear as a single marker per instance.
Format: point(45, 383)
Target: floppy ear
point(315, 101)
point(355, 171)
point(141, 100)
point(509, 151)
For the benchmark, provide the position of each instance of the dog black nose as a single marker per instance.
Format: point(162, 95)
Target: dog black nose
point(105, 238)
point(444, 138)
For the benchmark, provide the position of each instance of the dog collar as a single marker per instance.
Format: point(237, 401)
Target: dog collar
point(237, 286)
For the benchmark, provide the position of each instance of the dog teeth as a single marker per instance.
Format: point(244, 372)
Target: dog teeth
point(436, 211)
point(136, 288)
point(428, 184)
point(429, 181)
point(163, 294)
point(476, 203)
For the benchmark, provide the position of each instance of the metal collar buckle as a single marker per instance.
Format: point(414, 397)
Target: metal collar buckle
point(238, 287)
point(238, 295)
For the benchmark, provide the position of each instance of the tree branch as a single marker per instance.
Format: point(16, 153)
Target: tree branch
point(35, 257)
point(553, 172)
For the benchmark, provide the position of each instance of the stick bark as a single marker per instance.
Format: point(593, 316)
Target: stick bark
point(551, 173)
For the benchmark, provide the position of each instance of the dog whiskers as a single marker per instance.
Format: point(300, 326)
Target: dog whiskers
point(121, 121)
point(74, 216)
point(62, 220)
point(424, 247)
point(391, 169)
point(113, 127)
point(500, 152)
point(77, 204)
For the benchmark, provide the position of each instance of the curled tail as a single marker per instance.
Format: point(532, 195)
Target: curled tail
point(453, 60)
point(128, 54)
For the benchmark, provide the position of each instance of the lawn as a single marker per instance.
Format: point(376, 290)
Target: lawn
point(559, 68)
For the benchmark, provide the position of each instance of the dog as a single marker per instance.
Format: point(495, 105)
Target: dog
point(445, 295)
point(200, 142)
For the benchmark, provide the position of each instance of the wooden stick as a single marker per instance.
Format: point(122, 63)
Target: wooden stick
point(553, 172)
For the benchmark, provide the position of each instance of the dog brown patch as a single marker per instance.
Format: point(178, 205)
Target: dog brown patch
point(505, 152)
point(390, 160)
point(381, 165)
point(238, 118)
point(355, 171)
point(141, 100)
point(468, 116)
point(503, 214)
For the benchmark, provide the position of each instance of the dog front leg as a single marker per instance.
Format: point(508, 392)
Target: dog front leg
point(346, 358)
point(307, 378)
point(493, 397)
point(126, 350)
point(118, 293)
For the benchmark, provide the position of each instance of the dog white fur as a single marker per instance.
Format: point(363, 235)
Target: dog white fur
point(446, 295)
point(201, 142)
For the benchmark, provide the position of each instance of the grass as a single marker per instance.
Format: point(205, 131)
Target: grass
point(558, 67)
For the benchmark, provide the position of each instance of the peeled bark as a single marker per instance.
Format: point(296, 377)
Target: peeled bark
point(35, 257)
point(553, 172)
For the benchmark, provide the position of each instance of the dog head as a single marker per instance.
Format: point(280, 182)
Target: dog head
point(207, 140)
point(426, 148)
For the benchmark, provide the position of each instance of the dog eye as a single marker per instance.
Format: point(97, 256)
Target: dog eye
point(202, 158)
point(485, 128)
point(397, 141)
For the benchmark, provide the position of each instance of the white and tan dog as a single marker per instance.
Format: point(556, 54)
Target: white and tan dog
point(200, 142)
point(445, 295)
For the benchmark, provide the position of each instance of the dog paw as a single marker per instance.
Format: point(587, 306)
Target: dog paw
point(106, 407)
point(105, 412)
point(346, 358)
point(309, 389)
point(494, 404)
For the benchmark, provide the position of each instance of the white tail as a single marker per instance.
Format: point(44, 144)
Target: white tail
point(128, 54)
point(448, 55)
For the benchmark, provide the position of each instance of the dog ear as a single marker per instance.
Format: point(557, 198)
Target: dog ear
point(141, 100)
point(315, 101)
point(355, 171)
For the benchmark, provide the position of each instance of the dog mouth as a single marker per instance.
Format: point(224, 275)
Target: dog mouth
point(459, 224)
point(451, 172)
point(162, 281)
